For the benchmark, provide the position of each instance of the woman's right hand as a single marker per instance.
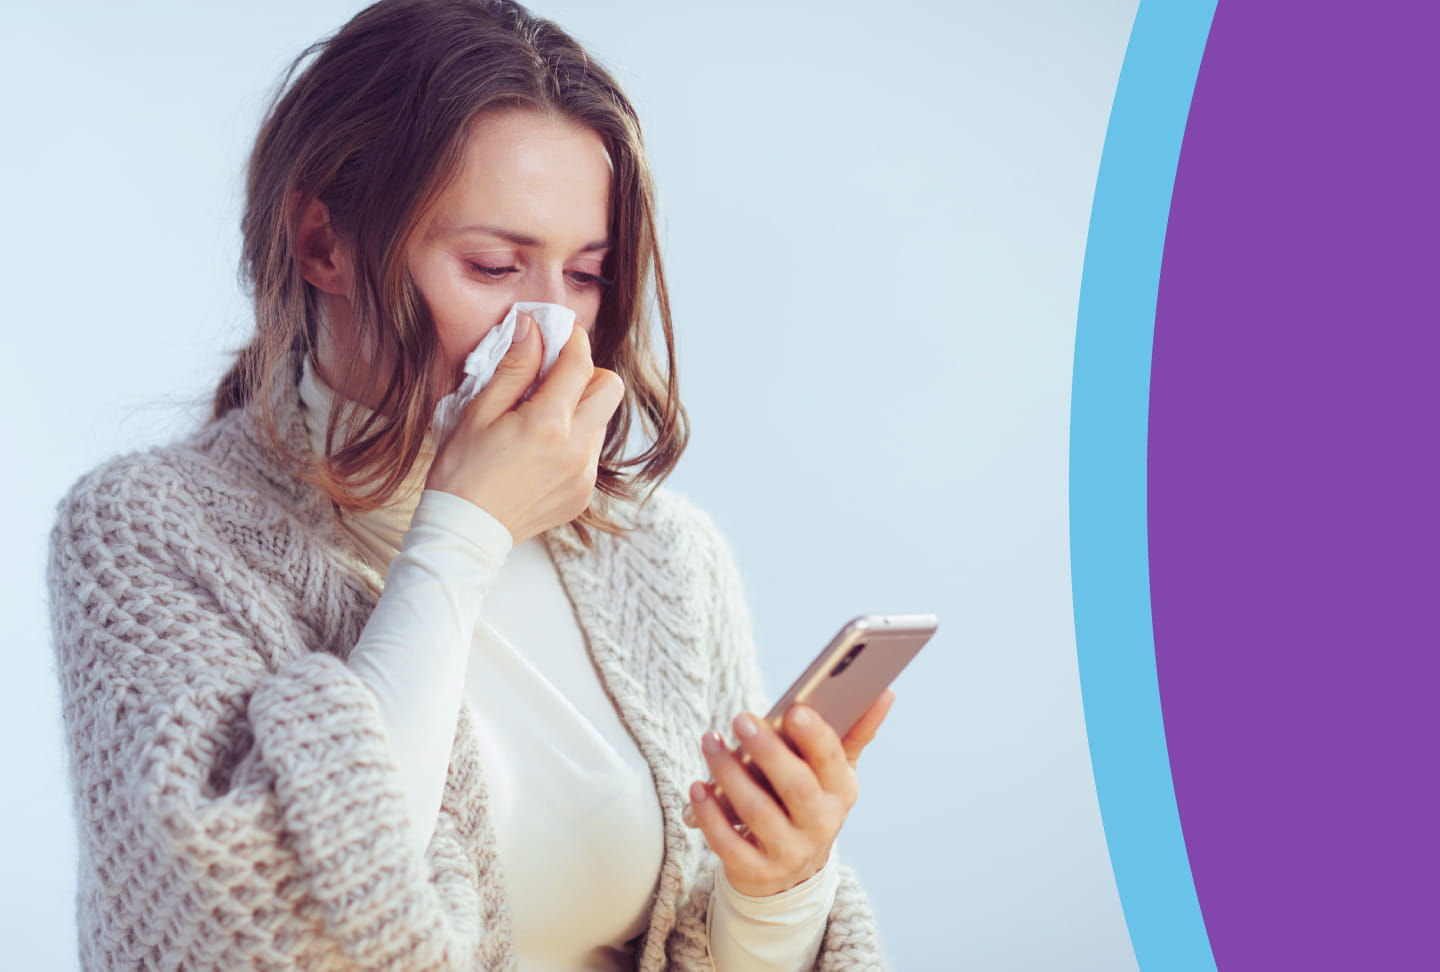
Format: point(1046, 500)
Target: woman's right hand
point(531, 464)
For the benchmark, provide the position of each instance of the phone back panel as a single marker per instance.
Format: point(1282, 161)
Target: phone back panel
point(856, 667)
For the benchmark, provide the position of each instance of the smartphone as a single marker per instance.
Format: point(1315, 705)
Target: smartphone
point(851, 672)
point(861, 660)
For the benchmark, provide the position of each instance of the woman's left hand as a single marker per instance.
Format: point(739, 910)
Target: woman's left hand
point(787, 834)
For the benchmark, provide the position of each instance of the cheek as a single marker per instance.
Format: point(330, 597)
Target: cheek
point(586, 311)
point(463, 316)
point(462, 313)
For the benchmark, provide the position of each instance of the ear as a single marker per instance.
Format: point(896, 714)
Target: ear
point(324, 258)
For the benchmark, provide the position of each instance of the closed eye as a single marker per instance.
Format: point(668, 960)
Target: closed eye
point(583, 279)
point(494, 273)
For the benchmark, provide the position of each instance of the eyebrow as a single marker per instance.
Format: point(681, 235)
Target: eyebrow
point(520, 239)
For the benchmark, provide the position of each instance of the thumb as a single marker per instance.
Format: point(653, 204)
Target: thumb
point(515, 373)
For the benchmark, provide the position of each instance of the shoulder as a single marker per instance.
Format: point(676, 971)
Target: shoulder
point(668, 516)
point(206, 491)
point(209, 534)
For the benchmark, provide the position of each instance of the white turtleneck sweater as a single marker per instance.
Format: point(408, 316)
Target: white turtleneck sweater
point(576, 820)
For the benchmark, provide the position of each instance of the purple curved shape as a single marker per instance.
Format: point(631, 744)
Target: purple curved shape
point(1294, 485)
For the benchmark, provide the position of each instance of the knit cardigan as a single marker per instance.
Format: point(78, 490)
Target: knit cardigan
point(236, 803)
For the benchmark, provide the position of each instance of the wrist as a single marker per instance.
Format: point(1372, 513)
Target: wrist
point(821, 876)
point(490, 539)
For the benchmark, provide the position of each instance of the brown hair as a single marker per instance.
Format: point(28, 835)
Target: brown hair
point(375, 128)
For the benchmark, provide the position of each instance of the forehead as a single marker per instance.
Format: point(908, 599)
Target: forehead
point(532, 172)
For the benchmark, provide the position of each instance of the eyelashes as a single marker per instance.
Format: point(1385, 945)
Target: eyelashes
point(578, 277)
point(592, 279)
point(494, 273)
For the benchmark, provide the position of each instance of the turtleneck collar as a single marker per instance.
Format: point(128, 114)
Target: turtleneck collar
point(379, 532)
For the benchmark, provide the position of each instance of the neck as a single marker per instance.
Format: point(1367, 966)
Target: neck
point(341, 361)
point(319, 400)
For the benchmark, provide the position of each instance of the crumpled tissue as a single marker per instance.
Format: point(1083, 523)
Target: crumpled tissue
point(556, 324)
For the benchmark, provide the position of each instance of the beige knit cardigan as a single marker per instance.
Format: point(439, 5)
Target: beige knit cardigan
point(236, 804)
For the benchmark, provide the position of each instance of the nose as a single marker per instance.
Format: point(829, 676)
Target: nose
point(546, 286)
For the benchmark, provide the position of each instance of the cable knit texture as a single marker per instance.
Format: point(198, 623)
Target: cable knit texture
point(236, 803)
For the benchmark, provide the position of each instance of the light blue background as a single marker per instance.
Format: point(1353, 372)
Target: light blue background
point(874, 219)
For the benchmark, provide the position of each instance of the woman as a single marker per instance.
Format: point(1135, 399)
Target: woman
point(341, 695)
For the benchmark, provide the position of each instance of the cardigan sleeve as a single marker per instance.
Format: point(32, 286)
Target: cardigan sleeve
point(852, 941)
point(236, 801)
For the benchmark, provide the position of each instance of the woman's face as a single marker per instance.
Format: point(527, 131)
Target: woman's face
point(526, 218)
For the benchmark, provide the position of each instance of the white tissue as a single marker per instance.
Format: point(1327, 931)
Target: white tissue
point(556, 324)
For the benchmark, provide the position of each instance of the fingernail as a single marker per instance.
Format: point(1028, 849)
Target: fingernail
point(523, 328)
point(697, 793)
point(711, 743)
point(745, 726)
point(801, 717)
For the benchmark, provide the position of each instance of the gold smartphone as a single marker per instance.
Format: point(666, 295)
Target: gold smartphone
point(846, 678)
point(861, 660)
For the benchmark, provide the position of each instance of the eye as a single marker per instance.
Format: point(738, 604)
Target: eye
point(582, 279)
point(493, 273)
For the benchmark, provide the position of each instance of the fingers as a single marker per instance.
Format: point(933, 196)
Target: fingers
point(602, 397)
point(782, 771)
point(729, 845)
point(820, 748)
point(811, 741)
point(570, 377)
point(532, 464)
point(750, 802)
point(861, 734)
point(515, 373)
point(718, 795)
point(791, 792)
point(575, 398)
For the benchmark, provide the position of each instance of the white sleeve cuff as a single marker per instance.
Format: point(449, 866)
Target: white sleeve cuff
point(777, 933)
point(491, 538)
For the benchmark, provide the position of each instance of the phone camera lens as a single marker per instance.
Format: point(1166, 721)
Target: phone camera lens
point(850, 656)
